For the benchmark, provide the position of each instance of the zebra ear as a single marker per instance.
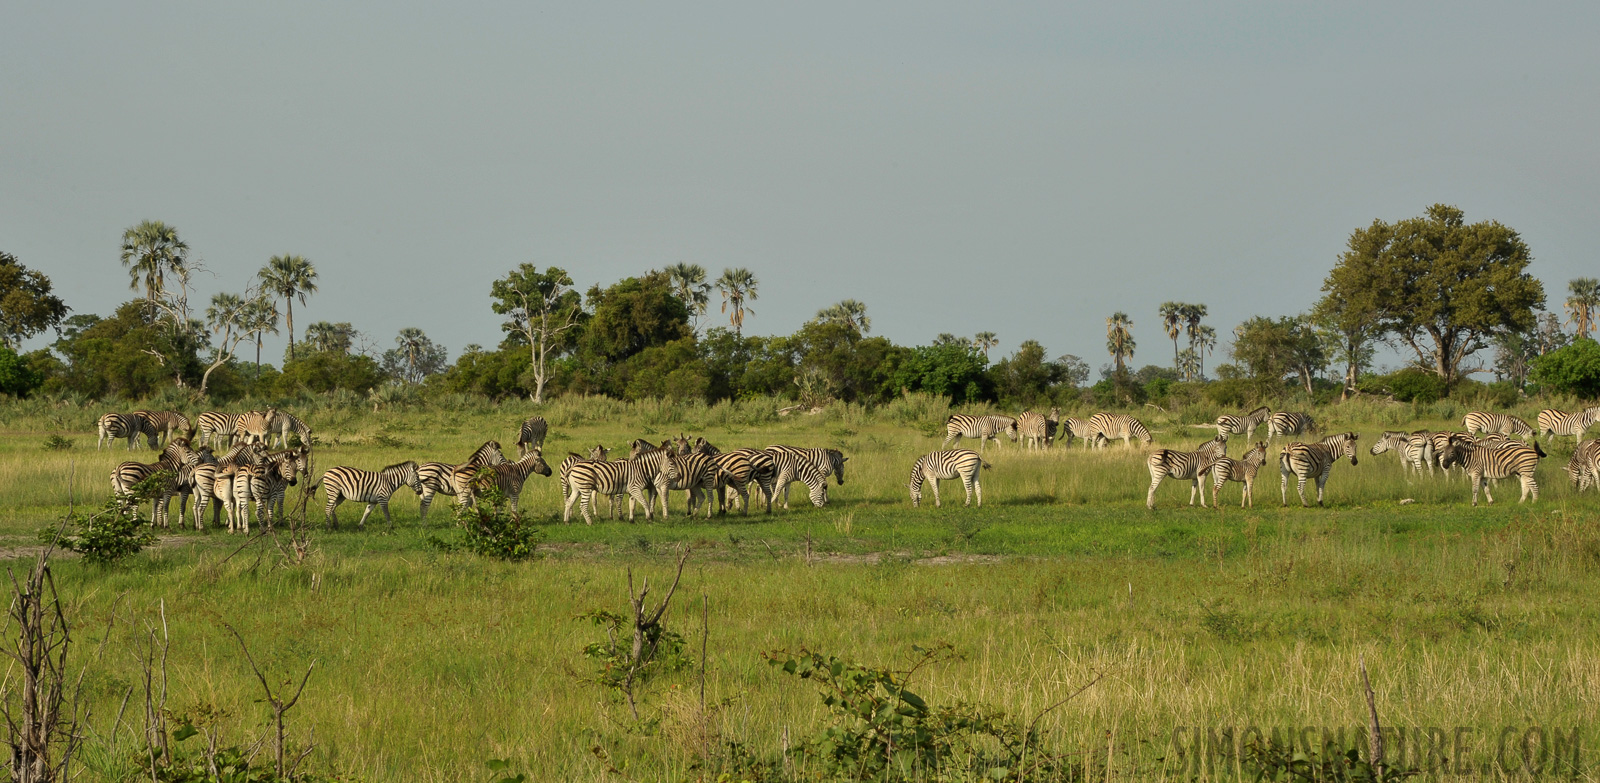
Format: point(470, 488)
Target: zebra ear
point(844, 460)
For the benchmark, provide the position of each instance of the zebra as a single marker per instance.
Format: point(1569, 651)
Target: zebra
point(201, 479)
point(1305, 460)
point(734, 469)
point(436, 476)
point(253, 426)
point(1481, 462)
point(698, 475)
point(507, 477)
point(763, 471)
point(959, 463)
point(282, 423)
point(1037, 430)
point(173, 458)
point(217, 428)
point(242, 454)
point(116, 426)
point(1410, 447)
point(1245, 425)
point(1583, 469)
point(266, 484)
point(1553, 422)
point(590, 479)
point(531, 435)
point(1287, 423)
point(163, 423)
point(1073, 427)
point(596, 454)
point(1243, 470)
point(984, 428)
point(830, 461)
point(1482, 421)
point(1183, 466)
point(1110, 426)
point(365, 486)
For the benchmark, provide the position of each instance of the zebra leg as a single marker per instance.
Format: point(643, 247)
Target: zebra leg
point(368, 512)
point(331, 512)
point(935, 483)
point(663, 492)
point(966, 483)
point(586, 498)
point(1529, 484)
point(566, 508)
point(977, 488)
point(1155, 481)
point(386, 518)
point(1322, 481)
point(426, 500)
point(948, 438)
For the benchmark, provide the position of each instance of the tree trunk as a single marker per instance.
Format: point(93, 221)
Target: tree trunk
point(289, 303)
point(258, 356)
point(1175, 364)
point(538, 371)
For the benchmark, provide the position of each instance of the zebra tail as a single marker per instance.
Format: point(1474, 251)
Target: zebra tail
point(986, 466)
point(1537, 450)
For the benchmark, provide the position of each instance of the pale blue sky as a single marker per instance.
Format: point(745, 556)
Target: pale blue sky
point(1020, 168)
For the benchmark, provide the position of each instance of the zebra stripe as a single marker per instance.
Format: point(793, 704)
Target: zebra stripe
point(1107, 427)
point(1583, 469)
point(734, 470)
point(1553, 422)
point(163, 423)
point(436, 476)
point(282, 423)
point(1038, 430)
point(1242, 470)
point(1242, 425)
point(531, 435)
point(1495, 423)
point(116, 426)
point(266, 484)
point(1485, 462)
point(943, 465)
point(507, 477)
point(697, 476)
point(1181, 465)
point(253, 426)
point(1410, 447)
point(829, 461)
point(1288, 423)
point(596, 454)
point(217, 428)
point(365, 486)
point(984, 428)
point(1073, 427)
point(1305, 460)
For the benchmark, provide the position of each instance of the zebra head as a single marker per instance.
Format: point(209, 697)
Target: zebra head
point(1010, 430)
point(836, 459)
point(488, 454)
point(639, 446)
point(681, 445)
point(703, 446)
point(1344, 445)
point(536, 456)
point(599, 453)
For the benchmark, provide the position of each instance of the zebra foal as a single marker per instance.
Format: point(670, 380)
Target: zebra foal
point(1184, 466)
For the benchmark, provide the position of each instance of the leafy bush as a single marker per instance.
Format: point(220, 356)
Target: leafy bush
point(489, 530)
point(57, 443)
point(1412, 384)
point(116, 531)
point(1574, 369)
point(17, 378)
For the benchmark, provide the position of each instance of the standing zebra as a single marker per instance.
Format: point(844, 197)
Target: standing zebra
point(1242, 425)
point(116, 426)
point(266, 484)
point(507, 477)
point(1305, 460)
point(589, 480)
point(172, 460)
point(564, 472)
point(1183, 466)
point(1495, 423)
point(531, 435)
point(698, 476)
point(1583, 469)
point(735, 470)
point(281, 423)
point(1110, 426)
point(1037, 430)
point(365, 486)
point(1073, 427)
point(830, 461)
point(252, 427)
point(436, 477)
point(1553, 422)
point(984, 428)
point(217, 428)
point(1286, 423)
point(1243, 470)
point(1410, 447)
point(960, 463)
point(1483, 462)
point(163, 423)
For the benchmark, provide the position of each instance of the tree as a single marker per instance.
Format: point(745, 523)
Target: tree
point(1582, 301)
point(1572, 369)
point(26, 305)
point(291, 277)
point(849, 313)
point(1205, 343)
point(228, 317)
point(325, 337)
point(1273, 348)
point(1119, 341)
point(629, 317)
point(737, 287)
point(983, 341)
point(151, 251)
point(1351, 321)
point(1072, 370)
point(1442, 286)
point(261, 317)
point(1025, 378)
point(1192, 313)
point(689, 283)
point(414, 356)
point(541, 308)
point(1172, 320)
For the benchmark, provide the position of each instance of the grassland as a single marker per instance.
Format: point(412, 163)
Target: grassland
point(428, 663)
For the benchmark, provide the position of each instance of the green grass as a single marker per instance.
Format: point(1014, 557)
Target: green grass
point(429, 663)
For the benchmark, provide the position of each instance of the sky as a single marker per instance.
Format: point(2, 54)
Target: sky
point(1020, 168)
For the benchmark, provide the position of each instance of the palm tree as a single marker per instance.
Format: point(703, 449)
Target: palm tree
point(289, 277)
point(1205, 343)
point(1119, 340)
point(227, 317)
point(1189, 363)
point(151, 251)
point(737, 286)
point(689, 283)
point(849, 312)
point(1582, 303)
point(983, 341)
point(1172, 318)
point(412, 343)
point(261, 317)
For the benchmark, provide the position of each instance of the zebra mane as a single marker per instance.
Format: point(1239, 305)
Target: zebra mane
point(399, 465)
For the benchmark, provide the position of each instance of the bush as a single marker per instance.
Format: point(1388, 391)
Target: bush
point(489, 530)
point(1573, 370)
point(17, 377)
point(116, 531)
point(1409, 385)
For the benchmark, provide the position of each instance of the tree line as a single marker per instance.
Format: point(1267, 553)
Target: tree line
point(1435, 287)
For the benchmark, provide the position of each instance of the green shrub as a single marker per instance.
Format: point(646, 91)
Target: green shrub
point(1412, 384)
point(116, 531)
point(1574, 369)
point(489, 530)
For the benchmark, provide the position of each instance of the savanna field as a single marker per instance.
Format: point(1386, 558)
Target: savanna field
point(431, 663)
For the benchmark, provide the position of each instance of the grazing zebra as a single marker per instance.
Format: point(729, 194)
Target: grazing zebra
point(830, 461)
point(1183, 466)
point(217, 428)
point(436, 477)
point(266, 484)
point(253, 426)
point(960, 463)
point(1073, 427)
point(365, 486)
point(1553, 422)
point(1495, 423)
point(531, 435)
point(1305, 460)
point(589, 480)
point(1110, 426)
point(1242, 425)
point(1243, 470)
point(984, 428)
point(1287, 423)
point(281, 423)
point(116, 426)
point(1037, 429)
point(163, 423)
point(1481, 462)
point(507, 477)
point(1583, 469)
point(1410, 447)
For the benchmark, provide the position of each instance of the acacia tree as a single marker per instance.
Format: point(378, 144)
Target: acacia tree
point(1350, 322)
point(26, 305)
point(737, 287)
point(291, 277)
point(1441, 286)
point(1582, 301)
point(542, 308)
point(1273, 348)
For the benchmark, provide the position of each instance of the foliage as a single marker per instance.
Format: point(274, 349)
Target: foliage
point(27, 306)
point(329, 337)
point(18, 378)
point(543, 312)
point(151, 251)
point(615, 666)
point(634, 314)
point(414, 357)
point(738, 286)
point(952, 369)
point(324, 371)
point(492, 531)
point(1273, 348)
point(116, 531)
point(1412, 384)
point(1025, 378)
point(129, 355)
point(493, 374)
point(1574, 369)
point(289, 277)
